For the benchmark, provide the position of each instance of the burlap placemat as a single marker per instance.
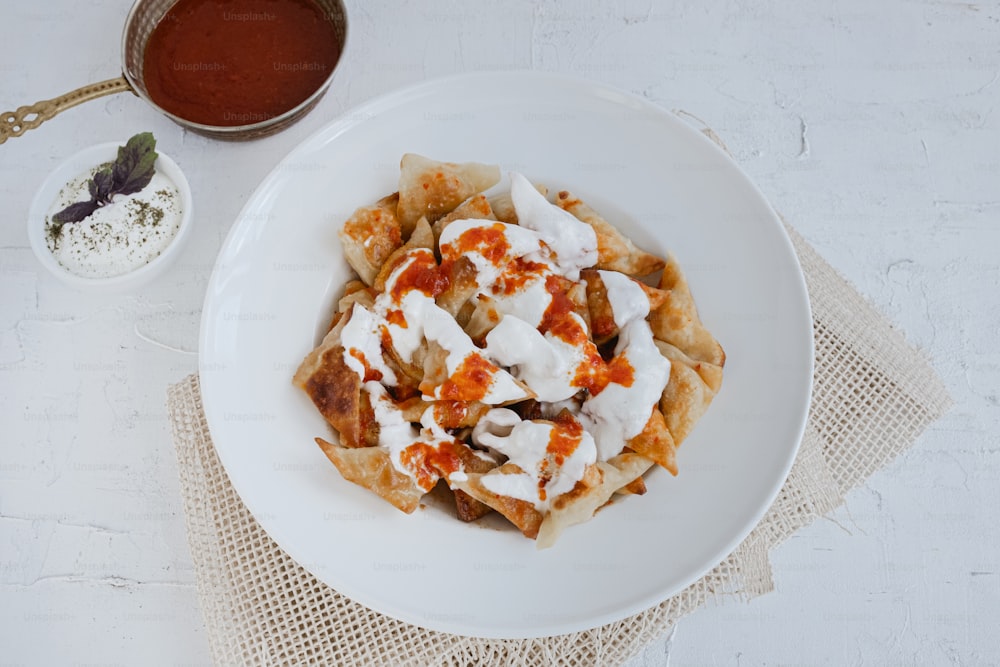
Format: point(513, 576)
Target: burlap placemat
point(873, 395)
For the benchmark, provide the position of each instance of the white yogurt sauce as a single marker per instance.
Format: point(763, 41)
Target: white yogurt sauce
point(396, 435)
point(573, 242)
point(363, 345)
point(620, 413)
point(527, 445)
point(543, 362)
point(119, 237)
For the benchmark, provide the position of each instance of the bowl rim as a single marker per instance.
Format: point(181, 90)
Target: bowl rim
point(71, 168)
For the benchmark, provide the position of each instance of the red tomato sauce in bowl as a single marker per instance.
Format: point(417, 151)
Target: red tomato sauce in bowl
point(226, 63)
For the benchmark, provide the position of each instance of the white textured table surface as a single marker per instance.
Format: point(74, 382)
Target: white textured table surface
point(870, 126)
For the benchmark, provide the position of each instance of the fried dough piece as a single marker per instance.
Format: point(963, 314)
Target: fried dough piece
point(657, 297)
point(580, 504)
point(696, 357)
point(461, 275)
point(577, 295)
point(356, 292)
point(435, 368)
point(519, 512)
point(432, 189)
point(367, 424)
point(467, 507)
point(370, 235)
point(574, 293)
point(637, 487)
point(335, 389)
point(468, 381)
point(615, 251)
point(465, 314)
point(676, 320)
point(371, 468)
point(484, 317)
point(602, 480)
point(656, 443)
point(503, 205)
point(422, 237)
point(476, 207)
point(447, 414)
point(690, 390)
point(602, 319)
point(409, 373)
point(529, 410)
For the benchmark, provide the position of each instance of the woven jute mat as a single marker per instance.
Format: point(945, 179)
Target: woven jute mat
point(873, 395)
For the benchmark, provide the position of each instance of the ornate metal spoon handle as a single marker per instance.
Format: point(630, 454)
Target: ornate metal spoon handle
point(15, 123)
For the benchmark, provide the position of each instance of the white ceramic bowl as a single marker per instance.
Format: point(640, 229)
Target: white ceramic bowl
point(71, 169)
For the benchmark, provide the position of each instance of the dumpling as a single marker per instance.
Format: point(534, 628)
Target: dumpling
point(432, 189)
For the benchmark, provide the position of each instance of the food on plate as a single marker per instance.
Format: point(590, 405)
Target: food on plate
point(506, 349)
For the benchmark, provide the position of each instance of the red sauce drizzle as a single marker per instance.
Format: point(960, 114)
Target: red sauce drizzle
point(385, 338)
point(557, 319)
point(370, 373)
point(490, 242)
point(544, 477)
point(421, 274)
point(516, 275)
point(593, 373)
point(449, 414)
point(227, 63)
point(396, 317)
point(564, 438)
point(470, 381)
point(428, 463)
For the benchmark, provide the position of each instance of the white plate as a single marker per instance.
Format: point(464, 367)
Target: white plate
point(669, 188)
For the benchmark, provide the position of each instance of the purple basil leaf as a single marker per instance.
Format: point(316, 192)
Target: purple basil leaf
point(131, 171)
point(75, 212)
point(100, 185)
point(134, 167)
